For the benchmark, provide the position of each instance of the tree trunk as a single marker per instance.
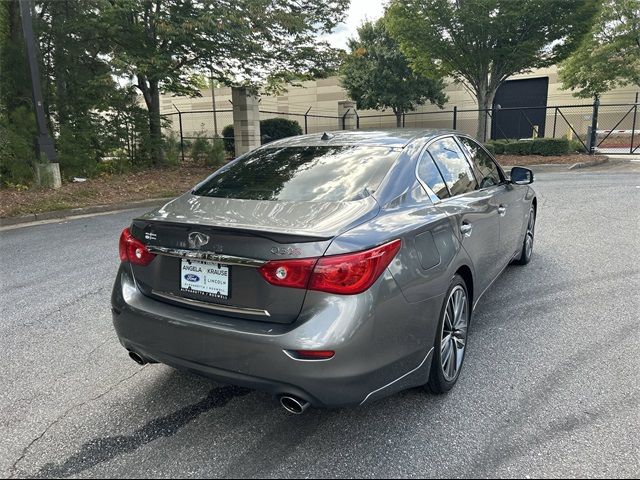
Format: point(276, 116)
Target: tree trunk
point(155, 125)
point(485, 103)
point(151, 94)
point(398, 118)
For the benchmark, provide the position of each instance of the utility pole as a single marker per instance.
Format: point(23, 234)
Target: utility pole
point(44, 142)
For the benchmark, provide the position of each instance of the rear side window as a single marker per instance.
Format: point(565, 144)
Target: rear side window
point(485, 168)
point(312, 174)
point(429, 174)
point(453, 166)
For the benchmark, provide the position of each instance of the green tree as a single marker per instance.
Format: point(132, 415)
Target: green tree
point(481, 43)
point(15, 85)
point(161, 46)
point(610, 55)
point(377, 75)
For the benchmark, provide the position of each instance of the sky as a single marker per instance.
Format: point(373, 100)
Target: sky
point(359, 11)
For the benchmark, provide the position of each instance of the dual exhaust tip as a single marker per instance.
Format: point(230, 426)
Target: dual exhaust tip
point(291, 404)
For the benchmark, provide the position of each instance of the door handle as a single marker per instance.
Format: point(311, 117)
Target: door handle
point(466, 229)
point(502, 210)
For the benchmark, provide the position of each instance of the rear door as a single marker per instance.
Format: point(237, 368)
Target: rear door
point(508, 199)
point(446, 171)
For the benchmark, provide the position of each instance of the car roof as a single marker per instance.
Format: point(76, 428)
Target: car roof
point(399, 137)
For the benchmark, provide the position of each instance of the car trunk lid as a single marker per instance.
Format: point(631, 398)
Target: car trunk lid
point(240, 235)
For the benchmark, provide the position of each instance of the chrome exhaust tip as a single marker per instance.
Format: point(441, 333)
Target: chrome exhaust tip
point(294, 405)
point(137, 358)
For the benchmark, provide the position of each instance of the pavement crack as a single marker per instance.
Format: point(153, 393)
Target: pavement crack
point(64, 307)
point(59, 418)
point(103, 449)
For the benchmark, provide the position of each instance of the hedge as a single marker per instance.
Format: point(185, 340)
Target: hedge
point(537, 146)
point(490, 147)
point(270, 130)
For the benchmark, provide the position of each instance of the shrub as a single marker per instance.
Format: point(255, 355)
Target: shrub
point(518, 147)
point(172, 149)
point(228, 139)
point(207, 152)
point(17, 155)
point(114, 165)
point(276, 128)
point(498, 146)
point(16, 158)
point(216, 154)
point(490, 147)
point(77, 153)
point(576, 146)
point(550, 146)
point(270, 130)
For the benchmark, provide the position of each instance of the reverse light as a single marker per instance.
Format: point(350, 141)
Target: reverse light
point(346, 274)
point(288, 273)
point(133, 250)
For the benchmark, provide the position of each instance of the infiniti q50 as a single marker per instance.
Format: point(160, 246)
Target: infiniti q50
point(327, 269)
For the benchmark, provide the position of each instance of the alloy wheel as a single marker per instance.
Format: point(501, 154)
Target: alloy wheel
point(454, 333)
point(530, 233)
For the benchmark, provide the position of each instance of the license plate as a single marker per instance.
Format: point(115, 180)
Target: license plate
point(205, 278)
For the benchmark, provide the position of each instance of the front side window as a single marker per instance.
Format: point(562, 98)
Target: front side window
point(486, 170)
point(453, 166)
point(337, 173)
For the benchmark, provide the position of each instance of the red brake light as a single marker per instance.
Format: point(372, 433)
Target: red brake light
point(133, 250)
point(352, 273)
point(346, 274)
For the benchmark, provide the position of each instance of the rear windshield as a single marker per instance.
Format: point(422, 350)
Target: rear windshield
point(312, 174)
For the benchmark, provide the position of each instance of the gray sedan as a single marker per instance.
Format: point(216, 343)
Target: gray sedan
point(329, 269)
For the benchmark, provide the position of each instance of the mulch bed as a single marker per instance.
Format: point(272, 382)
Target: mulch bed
point(166, 182)
point(523, 160)
point(102, 190)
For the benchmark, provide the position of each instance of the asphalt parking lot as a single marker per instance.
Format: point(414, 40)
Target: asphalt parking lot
point(551, 384)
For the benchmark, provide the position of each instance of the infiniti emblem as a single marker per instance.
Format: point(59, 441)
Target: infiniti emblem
point(197, 239)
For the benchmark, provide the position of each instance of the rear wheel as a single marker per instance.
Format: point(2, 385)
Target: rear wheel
point(527, 244)
point(451, 339)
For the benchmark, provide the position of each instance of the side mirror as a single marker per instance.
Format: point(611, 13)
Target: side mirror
point(521, 176)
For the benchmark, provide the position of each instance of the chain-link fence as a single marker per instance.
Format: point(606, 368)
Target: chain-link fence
point(602, 128)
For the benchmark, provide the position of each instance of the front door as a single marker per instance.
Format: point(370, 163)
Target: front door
point(507, 199)
point(474, 210)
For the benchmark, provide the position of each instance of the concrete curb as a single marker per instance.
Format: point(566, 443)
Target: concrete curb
point(589, 164)
point(74, 212)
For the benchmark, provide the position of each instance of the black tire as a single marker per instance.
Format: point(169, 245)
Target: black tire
point(529, 235)
point(438, 382)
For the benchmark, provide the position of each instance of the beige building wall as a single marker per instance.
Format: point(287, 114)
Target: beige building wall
point(323, 95)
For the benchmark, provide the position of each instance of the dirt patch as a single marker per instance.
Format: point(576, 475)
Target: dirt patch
point(103, 190)
point(523, 160)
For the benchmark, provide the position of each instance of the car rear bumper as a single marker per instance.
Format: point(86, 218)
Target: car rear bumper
point(376, 353)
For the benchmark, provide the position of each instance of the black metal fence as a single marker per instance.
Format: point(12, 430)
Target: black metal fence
point(600, 128)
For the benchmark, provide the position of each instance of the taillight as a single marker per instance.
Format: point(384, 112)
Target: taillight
point(352, 273)
point(133, 250)
point(346, 274)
